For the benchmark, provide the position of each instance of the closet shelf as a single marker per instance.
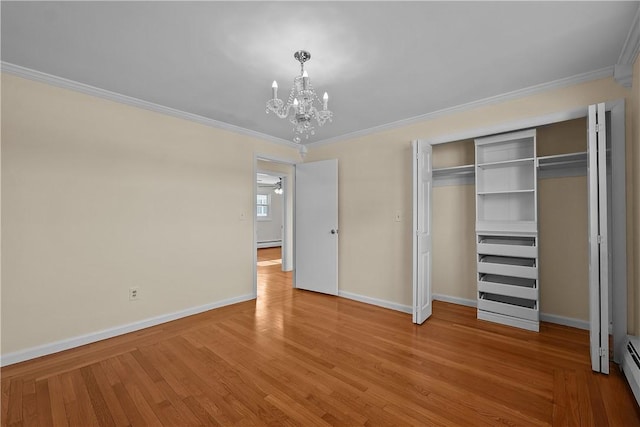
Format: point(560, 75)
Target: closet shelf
point(454, 170)
point(506, 163)
point(464, 174)
point(455, 175)
point(560, 161)
point(488, 193)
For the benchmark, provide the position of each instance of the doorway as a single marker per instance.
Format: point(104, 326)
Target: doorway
point(314, 186)
point(273, 222)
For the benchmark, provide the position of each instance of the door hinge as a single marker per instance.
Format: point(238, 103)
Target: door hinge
point(599, 239)
point(602, 352)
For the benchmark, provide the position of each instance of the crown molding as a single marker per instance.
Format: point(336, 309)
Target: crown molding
point(629, 50)
point(61, 82)
point(623, 72)
point(520, 93)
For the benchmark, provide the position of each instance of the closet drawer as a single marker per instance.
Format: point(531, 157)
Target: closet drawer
point(508, 266)
point(510, 306)
point(509, 286)
point(524, 247)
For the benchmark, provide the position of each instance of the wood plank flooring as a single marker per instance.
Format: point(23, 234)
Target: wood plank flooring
point(298, 358)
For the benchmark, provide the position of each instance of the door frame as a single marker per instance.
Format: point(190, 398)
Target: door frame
point(289, 229)
point(618, 196)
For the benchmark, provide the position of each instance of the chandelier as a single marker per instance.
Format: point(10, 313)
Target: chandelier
point(300, 108)
point(278, 187)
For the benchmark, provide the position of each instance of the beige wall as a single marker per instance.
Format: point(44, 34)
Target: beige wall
point(454, 226)
point(454, 241)
point(374, 250)
point(563, 250)
point(98, 197)
point(562, 225)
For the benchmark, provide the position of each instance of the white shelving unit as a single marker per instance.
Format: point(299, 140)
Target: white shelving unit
point(507, 229)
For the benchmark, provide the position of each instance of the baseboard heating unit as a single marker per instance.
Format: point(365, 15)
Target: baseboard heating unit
point(631, 365)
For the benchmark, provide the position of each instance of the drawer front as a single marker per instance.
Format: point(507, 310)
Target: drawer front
point(517, 322)
point(508, 309)
point(510, 290)
point(508, 270)
point(508, 250)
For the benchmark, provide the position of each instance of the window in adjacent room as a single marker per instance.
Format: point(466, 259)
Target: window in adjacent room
point(263, 207)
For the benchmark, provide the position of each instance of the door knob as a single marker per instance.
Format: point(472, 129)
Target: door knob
point(334, 231)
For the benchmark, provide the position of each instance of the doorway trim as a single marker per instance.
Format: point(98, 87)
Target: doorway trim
point(288, 234)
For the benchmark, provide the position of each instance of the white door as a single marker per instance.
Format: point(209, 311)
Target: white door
point(316, 226)
point(421, 231)
point(598, 240)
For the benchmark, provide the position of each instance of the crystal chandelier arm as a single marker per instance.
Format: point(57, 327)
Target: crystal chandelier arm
point(279, 108)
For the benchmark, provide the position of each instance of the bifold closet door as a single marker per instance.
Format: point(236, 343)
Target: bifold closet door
point(598, 239)
point(422, 255)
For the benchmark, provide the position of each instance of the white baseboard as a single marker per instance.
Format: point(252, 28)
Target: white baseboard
point(376, 301)
point(565, 321)
point(54, 347)
point(269, 244)
point(544, 317)
point(455, 300)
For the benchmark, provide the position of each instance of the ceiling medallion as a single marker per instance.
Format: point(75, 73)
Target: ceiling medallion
point(300, 108)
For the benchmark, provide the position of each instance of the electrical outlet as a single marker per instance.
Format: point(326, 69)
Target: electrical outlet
point(134, 293)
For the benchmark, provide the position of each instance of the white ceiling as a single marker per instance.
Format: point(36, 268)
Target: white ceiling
point(267, 179)
point(381, 62)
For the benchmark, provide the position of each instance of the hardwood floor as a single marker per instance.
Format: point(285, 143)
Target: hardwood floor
point(298, 358)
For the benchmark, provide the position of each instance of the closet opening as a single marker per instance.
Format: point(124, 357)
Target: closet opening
point(560, 247)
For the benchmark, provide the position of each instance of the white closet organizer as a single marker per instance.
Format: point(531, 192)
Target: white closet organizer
point(507, 229)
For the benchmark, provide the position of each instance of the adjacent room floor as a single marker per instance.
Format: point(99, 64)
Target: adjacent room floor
point(299, 358)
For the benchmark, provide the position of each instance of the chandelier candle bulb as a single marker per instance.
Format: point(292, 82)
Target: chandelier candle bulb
point(325, 101)
point(305, 80)
point(274, 89)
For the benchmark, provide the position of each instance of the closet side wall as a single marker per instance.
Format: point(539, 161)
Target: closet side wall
point(454, 265)
point(562, 224)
